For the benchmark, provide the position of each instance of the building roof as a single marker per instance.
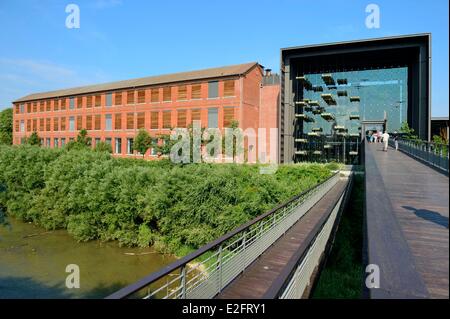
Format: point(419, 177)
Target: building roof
point(361, 41)
point(232, 70)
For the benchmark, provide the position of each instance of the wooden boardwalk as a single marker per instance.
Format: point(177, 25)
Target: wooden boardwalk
point(254, 282)
point(407, 211)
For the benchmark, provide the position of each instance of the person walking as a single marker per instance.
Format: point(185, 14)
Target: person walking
point(396, 140)
point(385, 137)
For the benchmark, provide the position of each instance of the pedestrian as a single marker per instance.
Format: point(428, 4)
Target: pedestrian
point(396, 140)
point(385, 141)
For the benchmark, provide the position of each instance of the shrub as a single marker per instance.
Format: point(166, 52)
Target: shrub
point(174, 207)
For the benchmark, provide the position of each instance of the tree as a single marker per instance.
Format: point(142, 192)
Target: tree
point(82, 138)
point(142, 142)
point(6, 126)
point(82, 142)
point(34, 139)
point(408, 131)
point(103, 147)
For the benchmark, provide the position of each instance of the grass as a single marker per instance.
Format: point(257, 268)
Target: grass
point(342, 276)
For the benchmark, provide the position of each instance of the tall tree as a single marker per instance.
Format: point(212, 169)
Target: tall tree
point(6, 126)
point(34, 139)
point(142, 142)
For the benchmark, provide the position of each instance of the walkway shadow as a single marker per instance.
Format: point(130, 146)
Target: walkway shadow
point(429, 215)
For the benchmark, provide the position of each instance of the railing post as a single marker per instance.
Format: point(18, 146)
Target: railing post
point(219, 267)
point(183, 282)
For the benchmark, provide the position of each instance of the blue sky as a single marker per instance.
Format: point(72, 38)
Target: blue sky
point(122, 39)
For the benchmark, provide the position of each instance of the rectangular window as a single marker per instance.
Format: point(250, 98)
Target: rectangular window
point(55, 142)
point(228, 116)
point(34, 107)
point(155, 95)
point(167, 119)
point(71, 103)
point(17, 126)
point(63, 141)
point(47, 142)
point(22, 108)
point(108, 141)
point(63, 124)
point(22, 126)
point(181, 118)
point(72, 123)
point(129, 146)
point(196, 93)
point(118, 121)
point(108, 99)
point(55, 124)
point(228, 88)
point(167, 94)
point(48, 106)
point(213, 89)
point(141, 120)
point(130, 97)
point(89, 101)
point(41, 106)
point(118, 98)
point(28, 107)
point(108, 122)
point(154, 125)
point(141, 96)
point(89, 122)
point(28, 125)
point(97, 140)
point(98, 100)
point(79, 123)
point(98, 122)
point(79, 102)
point(130, 121)
point(213, 117)
point(195, 115)
point(182, 93)
point(63, 104)
point(35, 127)
point(55, 105)
point(48, 125)
point(118, 146)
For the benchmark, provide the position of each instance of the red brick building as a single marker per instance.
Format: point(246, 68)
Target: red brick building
point(114, 112)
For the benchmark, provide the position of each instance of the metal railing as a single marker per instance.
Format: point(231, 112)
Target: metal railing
point(205, 272)
point(433, 154)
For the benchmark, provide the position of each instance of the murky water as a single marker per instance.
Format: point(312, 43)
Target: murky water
point(33, 264)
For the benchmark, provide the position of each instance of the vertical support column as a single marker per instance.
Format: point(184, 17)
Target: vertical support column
point(183, 282)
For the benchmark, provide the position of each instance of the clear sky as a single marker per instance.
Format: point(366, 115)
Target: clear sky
point(122, 39)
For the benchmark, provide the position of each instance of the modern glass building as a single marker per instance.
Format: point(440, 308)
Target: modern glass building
point(333, 95)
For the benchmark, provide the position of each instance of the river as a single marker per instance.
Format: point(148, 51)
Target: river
point(33, 263)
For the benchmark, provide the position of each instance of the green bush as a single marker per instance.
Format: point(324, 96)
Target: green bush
point(173, 207)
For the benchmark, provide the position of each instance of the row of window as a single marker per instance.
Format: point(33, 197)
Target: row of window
point(132, 121)
point(155, 95)
point(117, 146)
